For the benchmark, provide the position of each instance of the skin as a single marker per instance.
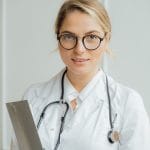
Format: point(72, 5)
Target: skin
point(82, 64)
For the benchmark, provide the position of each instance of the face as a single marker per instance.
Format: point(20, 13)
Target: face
point(80, 60)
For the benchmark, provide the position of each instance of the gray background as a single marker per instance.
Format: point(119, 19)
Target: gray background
point(28, 55)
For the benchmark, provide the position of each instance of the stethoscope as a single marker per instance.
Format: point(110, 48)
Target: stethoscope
point(113, 136)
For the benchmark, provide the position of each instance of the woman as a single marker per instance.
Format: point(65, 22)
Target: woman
point(101, 114)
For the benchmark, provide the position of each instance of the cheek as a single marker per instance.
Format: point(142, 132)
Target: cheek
point(97, 55)
point(64, 55)
point(61, 52)
point(99, 52)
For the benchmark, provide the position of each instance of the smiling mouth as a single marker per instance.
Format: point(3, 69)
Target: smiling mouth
point(80, 60)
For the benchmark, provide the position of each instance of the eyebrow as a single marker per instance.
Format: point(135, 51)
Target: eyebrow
point(93, 31)
point(67, 32)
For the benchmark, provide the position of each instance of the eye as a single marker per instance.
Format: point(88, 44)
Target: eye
point(91, 37)
point(67, 37)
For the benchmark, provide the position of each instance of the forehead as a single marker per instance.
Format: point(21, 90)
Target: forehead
point(80, 23)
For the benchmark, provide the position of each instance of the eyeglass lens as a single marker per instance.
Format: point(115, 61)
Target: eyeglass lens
point(69, 41)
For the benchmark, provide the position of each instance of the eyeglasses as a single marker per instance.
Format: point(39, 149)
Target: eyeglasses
point(69, 41)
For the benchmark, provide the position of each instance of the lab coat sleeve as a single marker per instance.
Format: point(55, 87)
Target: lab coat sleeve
point(29, 94)
point(135, 132)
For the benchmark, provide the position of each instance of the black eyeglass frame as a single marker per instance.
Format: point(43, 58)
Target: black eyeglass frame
point(76, 37)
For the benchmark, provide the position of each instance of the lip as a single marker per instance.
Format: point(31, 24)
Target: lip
point(80, 60)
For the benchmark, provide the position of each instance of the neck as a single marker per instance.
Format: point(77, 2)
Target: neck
point(79, 81)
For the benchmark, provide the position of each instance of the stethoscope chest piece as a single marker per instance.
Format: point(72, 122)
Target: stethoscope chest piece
point(113, 136)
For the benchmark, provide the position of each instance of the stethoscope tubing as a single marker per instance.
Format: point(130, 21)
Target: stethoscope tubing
point(109, 104)
point(61, 101)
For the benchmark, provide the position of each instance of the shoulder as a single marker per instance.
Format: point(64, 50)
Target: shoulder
point(40, 94)
point(122, 92)
point(129, 106)
point(125, 100)
point(43, 90)
point(128, 103)
point(133, 121)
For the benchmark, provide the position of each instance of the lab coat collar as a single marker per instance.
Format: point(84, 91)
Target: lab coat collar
point(96, 86)
point(100, 88)
point(70, 92)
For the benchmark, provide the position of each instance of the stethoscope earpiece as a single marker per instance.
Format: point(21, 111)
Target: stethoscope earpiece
point(113, 136)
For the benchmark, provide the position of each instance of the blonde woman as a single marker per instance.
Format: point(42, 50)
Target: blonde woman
point(82, 108)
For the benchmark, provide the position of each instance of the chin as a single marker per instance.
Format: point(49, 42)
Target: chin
point(79, 71)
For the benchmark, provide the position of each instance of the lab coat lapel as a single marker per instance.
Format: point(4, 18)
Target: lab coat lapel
point(88, 108)
point(92, 103)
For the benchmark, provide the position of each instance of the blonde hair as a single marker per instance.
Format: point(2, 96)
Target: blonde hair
point(91, 7)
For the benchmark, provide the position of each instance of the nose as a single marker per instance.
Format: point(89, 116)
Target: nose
point(79, 49)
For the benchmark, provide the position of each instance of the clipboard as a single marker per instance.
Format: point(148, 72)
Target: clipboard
point(24, 126)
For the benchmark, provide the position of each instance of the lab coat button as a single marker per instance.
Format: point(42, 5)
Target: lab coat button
point(52, 129)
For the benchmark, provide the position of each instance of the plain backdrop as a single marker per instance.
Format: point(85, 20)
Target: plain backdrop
point(28, 49)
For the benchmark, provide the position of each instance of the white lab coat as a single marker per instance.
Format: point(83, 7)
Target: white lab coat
point(88, 126)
